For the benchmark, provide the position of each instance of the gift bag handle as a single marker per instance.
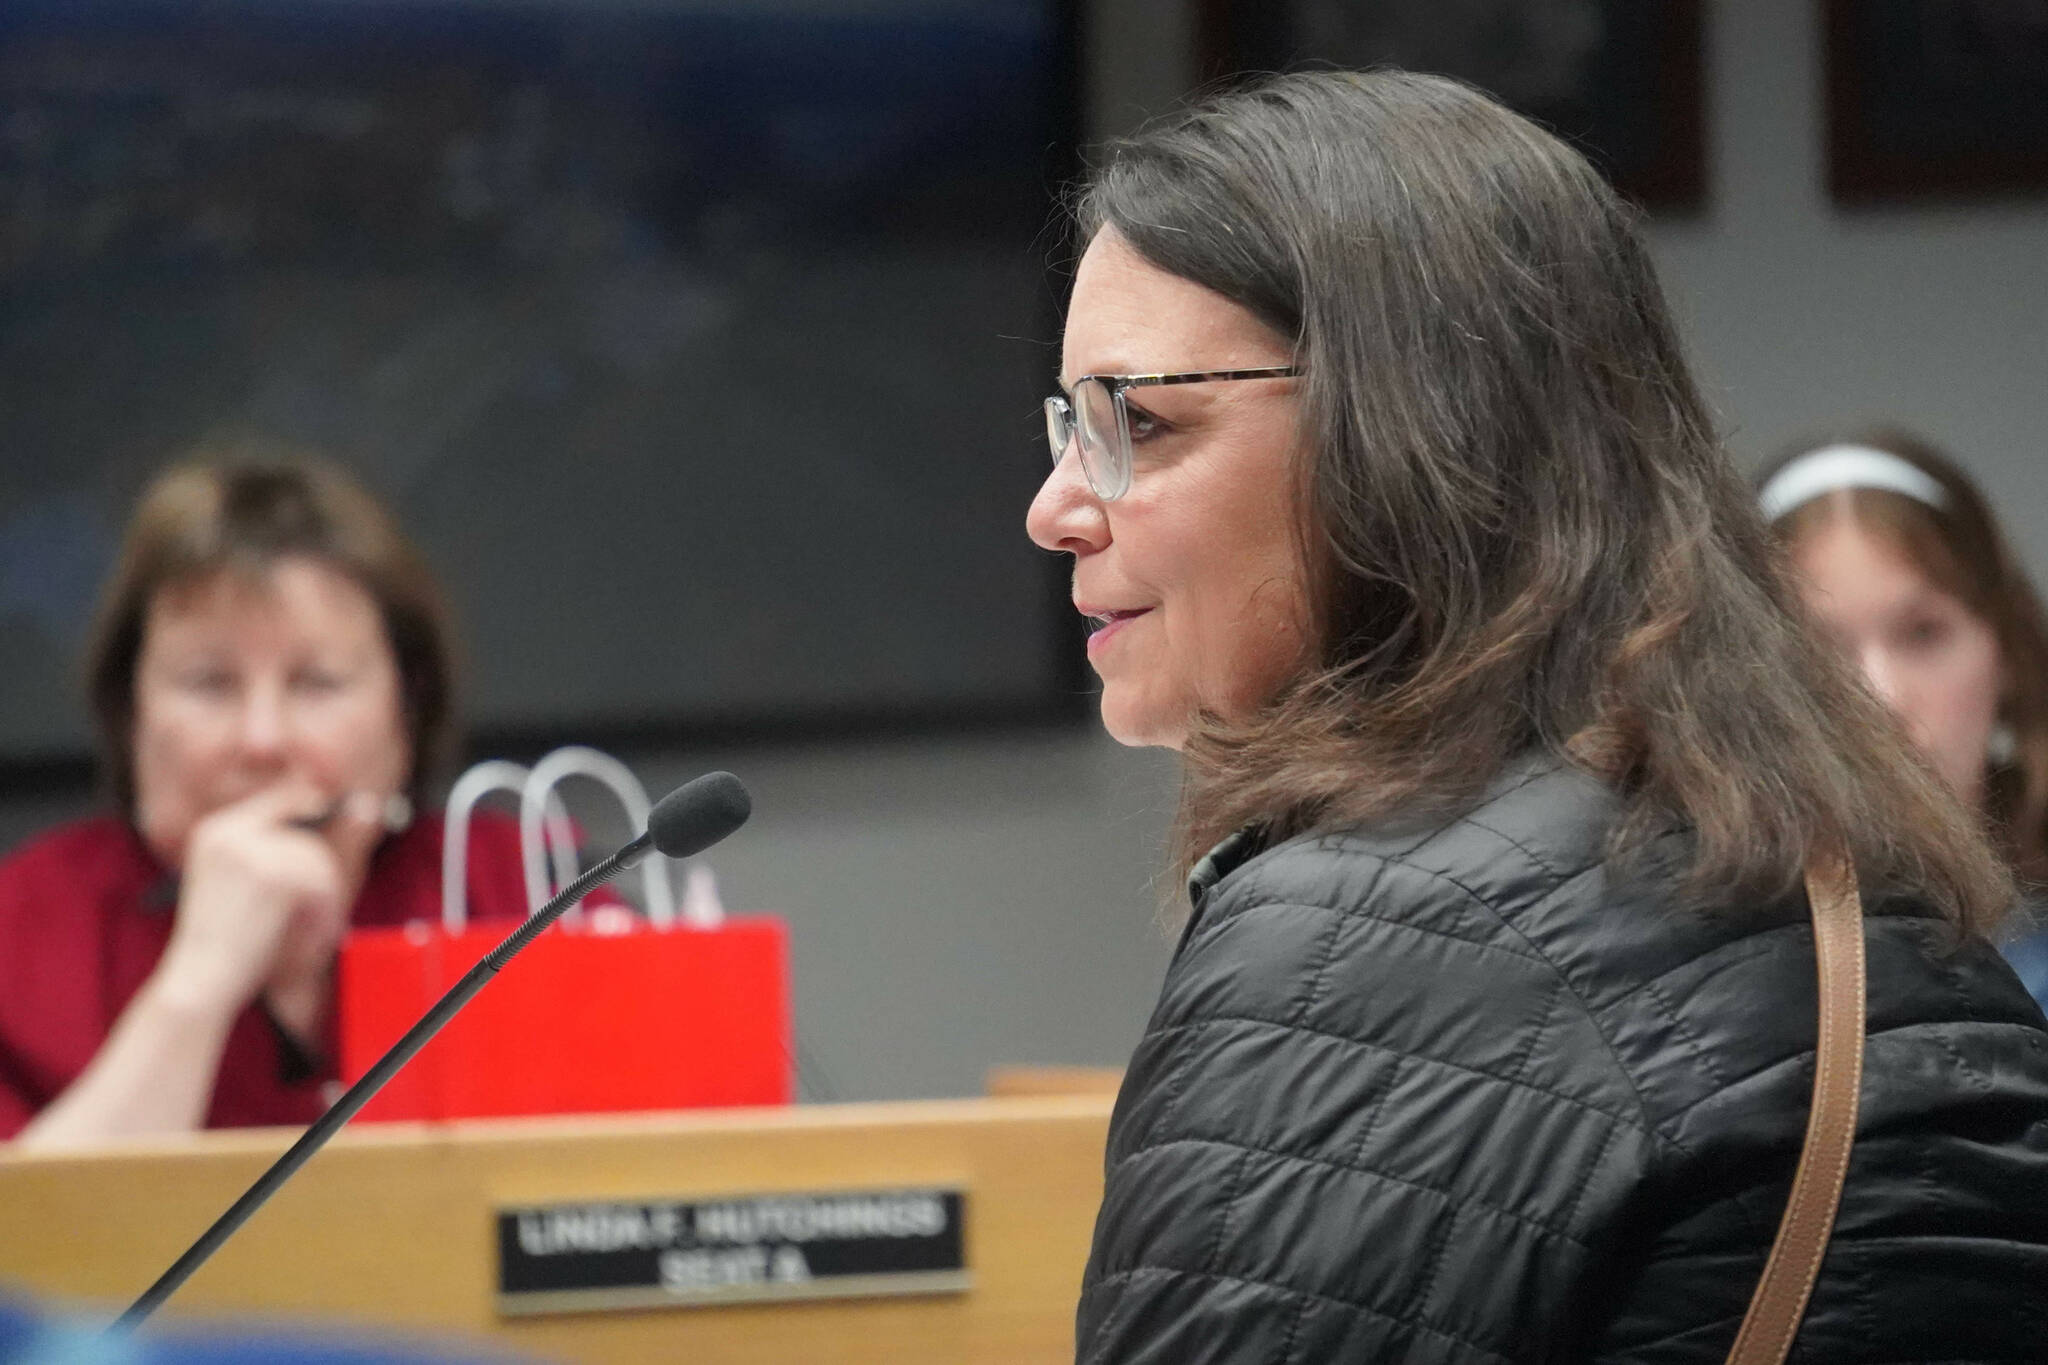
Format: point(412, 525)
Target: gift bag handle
point(1780, 1300)
point(478, 781)
point(539, 788)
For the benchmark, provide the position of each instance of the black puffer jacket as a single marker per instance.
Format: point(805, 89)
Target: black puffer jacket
point(1458, 1096)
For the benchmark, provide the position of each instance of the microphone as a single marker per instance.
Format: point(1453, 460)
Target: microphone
point(687, 821)
point(695, 816)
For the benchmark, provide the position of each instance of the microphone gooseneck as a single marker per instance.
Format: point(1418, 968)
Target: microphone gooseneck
point(687, 821)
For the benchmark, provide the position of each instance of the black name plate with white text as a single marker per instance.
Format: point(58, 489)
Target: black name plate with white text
point(590, 1257)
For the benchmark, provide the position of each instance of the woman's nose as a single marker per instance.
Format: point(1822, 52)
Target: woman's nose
point(1066, 514)
point(265, 726)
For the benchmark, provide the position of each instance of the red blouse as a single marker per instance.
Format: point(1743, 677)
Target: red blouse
point(86, 910)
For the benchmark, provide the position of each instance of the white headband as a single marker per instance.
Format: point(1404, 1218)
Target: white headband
point(1845, 466)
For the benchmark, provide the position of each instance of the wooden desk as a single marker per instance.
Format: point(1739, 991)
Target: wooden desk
point(395, 1224)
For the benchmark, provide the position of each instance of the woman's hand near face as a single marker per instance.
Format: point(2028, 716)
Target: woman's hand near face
point(263, 905)
point(301, 970)
point(265, 902)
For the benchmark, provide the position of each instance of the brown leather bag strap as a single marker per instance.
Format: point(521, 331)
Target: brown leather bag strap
point(1780, 1300)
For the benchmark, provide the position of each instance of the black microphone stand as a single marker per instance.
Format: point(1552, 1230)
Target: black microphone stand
point(315, 1137)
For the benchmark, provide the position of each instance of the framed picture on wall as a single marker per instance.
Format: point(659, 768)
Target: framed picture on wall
point(1936, 98)
point(1619, 78)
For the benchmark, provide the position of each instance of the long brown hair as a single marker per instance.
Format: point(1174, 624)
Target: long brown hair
point(1960, 549)
point(1521, 530)
point(243, 504)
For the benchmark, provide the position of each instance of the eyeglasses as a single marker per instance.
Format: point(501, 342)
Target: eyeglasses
point(1094, 418)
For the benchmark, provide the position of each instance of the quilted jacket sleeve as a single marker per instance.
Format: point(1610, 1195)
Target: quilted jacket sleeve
point(1359, 1127)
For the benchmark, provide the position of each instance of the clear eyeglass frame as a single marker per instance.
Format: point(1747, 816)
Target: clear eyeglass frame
point(1094, 419)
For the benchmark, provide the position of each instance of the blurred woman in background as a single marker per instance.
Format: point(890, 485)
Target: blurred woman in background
point(1899, 557)
point(271, 680)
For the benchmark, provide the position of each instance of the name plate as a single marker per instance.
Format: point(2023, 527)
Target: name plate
point(675, 1253)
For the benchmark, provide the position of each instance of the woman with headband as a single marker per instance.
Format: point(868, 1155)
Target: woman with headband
point(1900, 559)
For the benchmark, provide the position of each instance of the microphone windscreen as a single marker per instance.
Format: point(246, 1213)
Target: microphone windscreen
point(698, 814)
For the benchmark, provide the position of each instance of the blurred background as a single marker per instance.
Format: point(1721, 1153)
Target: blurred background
point(701, 344)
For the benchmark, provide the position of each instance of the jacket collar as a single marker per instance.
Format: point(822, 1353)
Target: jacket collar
point(1235, 850)
point(1240, 847)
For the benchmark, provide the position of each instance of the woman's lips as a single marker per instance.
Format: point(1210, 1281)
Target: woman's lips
point(1111, 623)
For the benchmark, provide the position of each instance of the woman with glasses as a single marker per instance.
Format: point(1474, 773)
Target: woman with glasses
point(1491, 1032)
point(272, 678)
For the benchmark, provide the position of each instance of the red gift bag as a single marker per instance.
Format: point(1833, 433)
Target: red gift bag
point(580, 1022)
point(609, 1013)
